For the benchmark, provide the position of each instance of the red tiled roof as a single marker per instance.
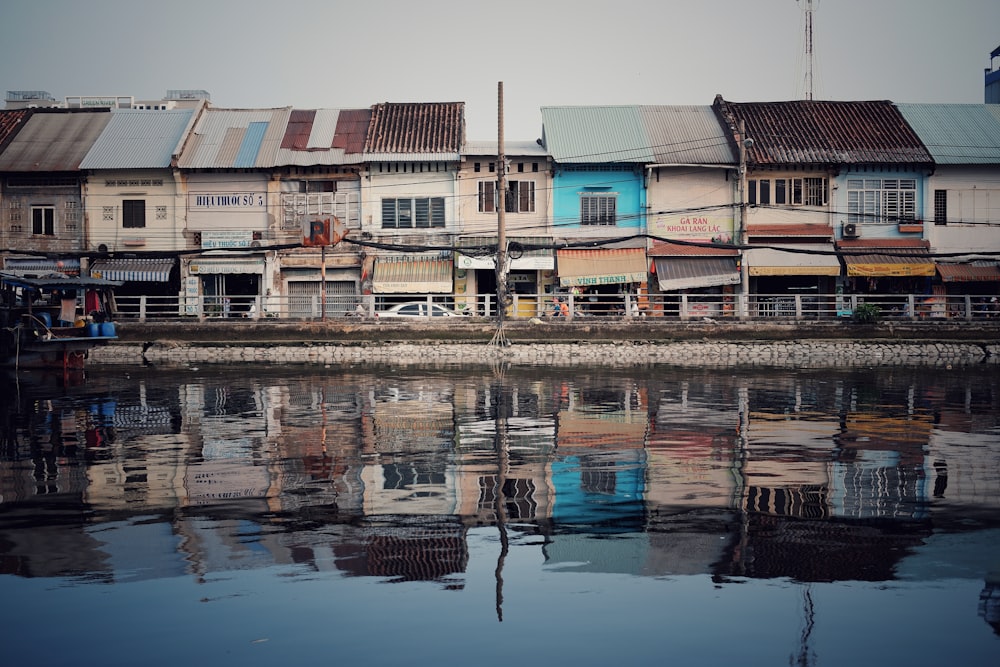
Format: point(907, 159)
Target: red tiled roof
point(819, 132)
point(796, 230)
point(883, 244)
point(435, 127)
point(664, 249)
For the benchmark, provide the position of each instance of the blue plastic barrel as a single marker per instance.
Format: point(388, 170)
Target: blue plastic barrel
point(46, 319)
point(93, 330)
point(108, 329)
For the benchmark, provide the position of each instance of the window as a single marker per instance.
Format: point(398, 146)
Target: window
point(422, 213)
point(813, 191)
point(520, 197)
point(765, 192)
point(878, 200)
point(487, 197)
point(133, 213)
point(596, 209)
point(306, 186)
point(43, 220)
point(940, 207)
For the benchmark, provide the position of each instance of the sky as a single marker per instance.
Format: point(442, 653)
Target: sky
point(341, 54)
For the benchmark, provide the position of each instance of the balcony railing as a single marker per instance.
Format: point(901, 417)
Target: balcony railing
point(666, 307)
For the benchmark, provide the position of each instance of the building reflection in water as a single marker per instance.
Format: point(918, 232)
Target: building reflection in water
point(815, 476)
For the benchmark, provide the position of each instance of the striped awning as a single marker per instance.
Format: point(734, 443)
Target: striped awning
point(676, 273)
point(412, 276)
point(38, 266)
point(970, 272)
point(604, 266)
point(792, 260)
point(132, 270)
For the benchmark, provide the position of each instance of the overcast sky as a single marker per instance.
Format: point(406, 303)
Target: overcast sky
point(354, 53)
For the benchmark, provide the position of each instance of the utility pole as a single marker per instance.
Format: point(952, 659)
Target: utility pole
point(501, 210)
point(744, 144)
point(500, 338)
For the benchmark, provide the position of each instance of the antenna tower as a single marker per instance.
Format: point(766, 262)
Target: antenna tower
point(809, 47)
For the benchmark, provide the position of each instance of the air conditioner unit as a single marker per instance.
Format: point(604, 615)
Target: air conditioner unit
point(851, 230)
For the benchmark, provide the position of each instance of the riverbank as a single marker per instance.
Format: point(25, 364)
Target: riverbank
point(625, 343)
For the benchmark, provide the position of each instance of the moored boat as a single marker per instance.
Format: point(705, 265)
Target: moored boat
point(54, 320)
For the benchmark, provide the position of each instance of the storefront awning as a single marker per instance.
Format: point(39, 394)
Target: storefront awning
point(676, 273)
point(792, 260)
point(887, 258)
point(138, 270)
point(227, 265)
point(970, 272)
point(605, 266)
point(39, 266)
point(412, 276)
point(889, 265)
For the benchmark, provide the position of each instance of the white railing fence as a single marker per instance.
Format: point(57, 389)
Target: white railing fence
point(621, 306)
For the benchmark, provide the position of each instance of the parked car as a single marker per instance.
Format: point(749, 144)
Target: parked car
point(418, 309)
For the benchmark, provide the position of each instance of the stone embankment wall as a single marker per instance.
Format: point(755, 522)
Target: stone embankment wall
point(526, 344)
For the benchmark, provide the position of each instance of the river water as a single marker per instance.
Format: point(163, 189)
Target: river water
point(253, 515)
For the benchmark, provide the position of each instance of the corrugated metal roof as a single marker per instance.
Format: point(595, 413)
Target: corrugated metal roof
point(323, 137)
point(970, 272)
point(596, 134)
point(524, 148)
point(352, 130)
point(687, 135)
point(416, 128)
point(813, 132)
point(957, 133)
point(138, 139)
point(235, 138)
point(54, 140)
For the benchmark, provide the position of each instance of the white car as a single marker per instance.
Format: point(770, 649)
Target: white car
point(418, 309)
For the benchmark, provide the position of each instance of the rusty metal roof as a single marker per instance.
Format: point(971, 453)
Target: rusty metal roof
point(433, 128)
point(54, 140)
point(810, 132)
point(10, 122)
point(316, 137)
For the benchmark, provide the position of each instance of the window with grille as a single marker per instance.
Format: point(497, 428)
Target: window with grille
point(812, 191)
point(940, 207)
point(43, 220)
point(881, 200)
point(133, 213)
point(417, 213)
point(597, 209)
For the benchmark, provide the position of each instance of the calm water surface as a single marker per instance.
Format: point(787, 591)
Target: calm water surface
point(379, 516)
